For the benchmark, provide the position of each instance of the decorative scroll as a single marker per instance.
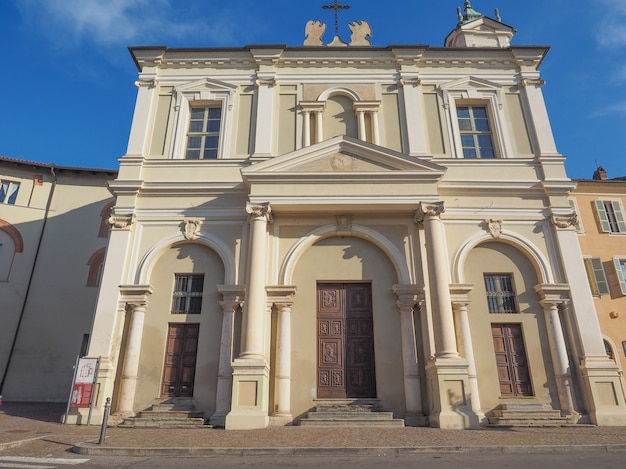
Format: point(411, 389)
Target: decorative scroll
point(120, 222)
point(424, 210)
point(565, 221)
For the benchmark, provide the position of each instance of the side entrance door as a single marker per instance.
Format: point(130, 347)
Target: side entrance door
point(513, 372)
point(180, 360)
point(345, 341)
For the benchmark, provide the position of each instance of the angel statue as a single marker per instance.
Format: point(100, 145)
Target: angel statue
point(314, 31)
point(361, 30)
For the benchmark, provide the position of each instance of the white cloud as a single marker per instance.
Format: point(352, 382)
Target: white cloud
point(610, 110)
point(611, 31)
point(114, 22)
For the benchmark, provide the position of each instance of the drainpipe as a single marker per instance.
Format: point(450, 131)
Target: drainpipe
point(30, 280)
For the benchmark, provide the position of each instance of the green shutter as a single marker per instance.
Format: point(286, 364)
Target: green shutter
point(603, 217)
point(620, 275)
point(619, 216)
point(599, 276)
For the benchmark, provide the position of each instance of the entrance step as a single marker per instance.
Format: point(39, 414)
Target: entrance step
point(167, 413)
point(349, 413)
point(525, 415)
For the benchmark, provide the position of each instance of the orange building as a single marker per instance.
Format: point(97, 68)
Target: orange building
point(600, 204)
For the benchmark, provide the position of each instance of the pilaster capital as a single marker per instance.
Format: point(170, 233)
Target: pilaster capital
point(563, 222)
point(120, 222)
point(553, 295)
point(430, 210)
point(232, 297)
point(459, 293)
point(145, 83)
point(409, 295)
point(539, 82)
point(256, 211)
point(409, 81)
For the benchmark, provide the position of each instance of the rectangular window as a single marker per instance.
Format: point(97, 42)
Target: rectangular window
point(476, 136)
point(610, 216)
point(620, 270)
point(187, 298)
point(597, 277)
point(500, 293)
point(204, 133)
point(8, 192)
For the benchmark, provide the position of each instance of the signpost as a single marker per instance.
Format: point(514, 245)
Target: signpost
point(83, 385)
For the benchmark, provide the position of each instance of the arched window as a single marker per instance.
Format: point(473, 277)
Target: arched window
point(103, 232)
point(11, 242)
point(608, 349)
point(96, 264)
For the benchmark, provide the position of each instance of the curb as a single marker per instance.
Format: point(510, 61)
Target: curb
point(90, 450)
point(15, 444)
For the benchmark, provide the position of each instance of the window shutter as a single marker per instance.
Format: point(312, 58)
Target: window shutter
point(619, 216)
point(598, 273)
point(620, 275)
point(603, 217)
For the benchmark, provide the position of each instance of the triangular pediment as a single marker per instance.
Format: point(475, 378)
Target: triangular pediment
point(470, 82)
point(340, 156)
point(206, 84)
point(487, 24)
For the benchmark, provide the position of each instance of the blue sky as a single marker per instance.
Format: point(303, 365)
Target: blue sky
point(68, 77)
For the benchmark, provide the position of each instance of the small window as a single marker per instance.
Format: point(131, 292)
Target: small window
point(476, 135)
point(501, 296)
point(597, 277)
point(204, 133)
point(620, 270)
point(608, 349)
point(610, 216)
point(8, 192)
point(187, 298)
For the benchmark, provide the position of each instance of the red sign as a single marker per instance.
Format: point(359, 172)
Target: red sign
point(81, 395)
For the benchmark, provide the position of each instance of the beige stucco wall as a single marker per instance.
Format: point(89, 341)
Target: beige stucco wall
point(497, 257)
point(346, 259)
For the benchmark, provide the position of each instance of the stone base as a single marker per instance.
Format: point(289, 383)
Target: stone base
point(451, 399)
point(281, 420)
point(605, 395)
point(250, 400)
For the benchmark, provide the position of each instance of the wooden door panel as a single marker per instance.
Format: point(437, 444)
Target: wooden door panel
point(345, 341)
point(511, 360)
point(180, 360)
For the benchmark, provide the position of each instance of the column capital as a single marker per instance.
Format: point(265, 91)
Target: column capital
point(558, 293)
point(121, 222)
point(136, 295)
point(459, 293)
point(232, 292)
point(256, 211)
point(563, 222)
point(430, 209)
point(280, 294)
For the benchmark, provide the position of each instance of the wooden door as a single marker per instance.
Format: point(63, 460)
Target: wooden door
point(180, 360)
point(511, 361)
point(345, 341)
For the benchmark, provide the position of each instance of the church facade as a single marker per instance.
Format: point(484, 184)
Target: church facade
point(344, 222)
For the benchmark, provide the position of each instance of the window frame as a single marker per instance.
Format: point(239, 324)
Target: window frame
point(187, 294)
point(474, 91)
point(5, 194)
point(597, 276)
point(619, 262)
point(611, 221)
point(510, 294)
point(200, 93)
point(205, 134)
point(474, 132)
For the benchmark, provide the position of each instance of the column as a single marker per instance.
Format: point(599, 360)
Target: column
point(319, 127)
point(460, 302)
point(375, 127)
point(230, 305)
point(250, 393)
point(130, 370)
point(447, 372)
point(558, 352)
point(307, 128)
point(362, 130)
point(406, 303)
point(283, 361)
point(439, 275)
point(254, 314)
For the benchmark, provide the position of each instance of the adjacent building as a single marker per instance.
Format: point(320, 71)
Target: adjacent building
point(53, 235)
point(339, 222)
point(599, 203)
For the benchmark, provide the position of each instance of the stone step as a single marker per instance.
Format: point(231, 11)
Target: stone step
point(170, 414)
point(552, 414)
point(139, 422)
point(361, 408)
point(351, 423)
point(349, 416)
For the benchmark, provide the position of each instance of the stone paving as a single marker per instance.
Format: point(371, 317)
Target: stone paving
point(34, 429)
